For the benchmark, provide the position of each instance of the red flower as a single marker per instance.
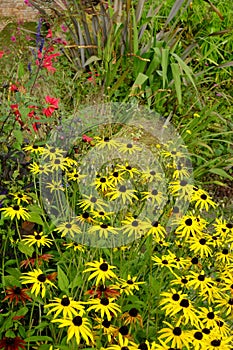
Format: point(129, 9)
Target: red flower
point(1, 54)
point(50, 34)
point(15, 110)
point(86, 138)
point(102, 291)
point(16, 294)
point(16, 343)
point(52, 105)
point(13, 87)
point(46, 60)
point(34, 258)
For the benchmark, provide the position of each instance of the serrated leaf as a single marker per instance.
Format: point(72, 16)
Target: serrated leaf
point(25, 249)
point(63, 282)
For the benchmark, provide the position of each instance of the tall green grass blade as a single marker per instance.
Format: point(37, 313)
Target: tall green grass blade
point(186, 69)
point(164, 63)
point(176, 76)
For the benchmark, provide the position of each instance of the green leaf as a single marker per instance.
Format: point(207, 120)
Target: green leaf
point(35, 217)
point(10, 334)
point(164, 63)
point(91, 60)
point(21, 71)
point(22, 311)
point(141, 78)
point(176, 76)
point(221, 172)
point(185, 68)
point(25, 249)
point(63, 282)
point(10, 281)
point(13, 272)
point(38, 338)
point(18, 135)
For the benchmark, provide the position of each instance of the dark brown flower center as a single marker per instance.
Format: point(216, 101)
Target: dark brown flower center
point(133, 312)
point(104, 267)
point(177, 331)
point(77, 321)
point(198, 335)
point(104, 301)
point(124, 330)
point(41, 278)
point(65, 301)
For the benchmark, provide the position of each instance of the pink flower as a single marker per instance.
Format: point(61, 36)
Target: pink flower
point(13, 38)
point(86, 138)
point(64, 28)
point(52, 105)
point(1, 54)
point(50, 34)
point(13, 87)
point(27, 3)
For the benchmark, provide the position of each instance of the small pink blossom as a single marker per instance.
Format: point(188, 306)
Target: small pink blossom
point(64, 28)
point(27, 3)
point(1, 53)
point(13, 38)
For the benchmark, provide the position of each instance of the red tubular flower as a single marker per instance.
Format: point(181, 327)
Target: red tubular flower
point(102, 291)
point(1, 54)
point(16, 294)
point(50, 34)
point(86, 138)
point(52, 105)
point(16, 343)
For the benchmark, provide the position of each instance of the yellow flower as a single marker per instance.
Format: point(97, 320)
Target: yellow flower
point(105, 306)
point(38, 279)
point(78, 327)
point(128, 286)
point(66, 305)
point(20, 197)
point(39, 239)
point(16, 211)
point(34, 149)
point(100, 269)
point(68, 228)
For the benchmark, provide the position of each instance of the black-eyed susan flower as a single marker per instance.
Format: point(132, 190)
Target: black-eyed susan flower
point(132, 226)
point(175, 336)
point(189, 226)
point(165, 261)
point(155, 229)
point(84, 217)
point(116, 177)
point(9, 343)
point(127, 169)
point(34, 149)
point(75, 176)
point(68, 228)
point(171, 299)
point(76, 246)
point(107, 328)
point(58, 163)
point(103, 230)
point(180, 172)
point(197, 339)
point(200, 245)
point(102, 183)
point(153, 196)
point(124, 193)
point(39, 281)
point(36, 168)
point(221, 227)
point(202, 200)
point(129, 285)
point(181, 189)
point(20, 197)
point(15, 212)
point(16, 294)
point(55, 186)
point(132, 317)
point(208, 317)
point(151, 175)
point(101, 270)
point(218, 342)
point(52, 152)
point(102, 215)
point(199, 280)
point(186, 312)
point(223, 328)
point(124, 344)
point(92, 203)
point(105, 306)
point(78, 327)
point(107, 142)
point(145, 345)
point(39, 239)
point(225, 256)
point(129, 148)
point(225, 304)
point(65, 305)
